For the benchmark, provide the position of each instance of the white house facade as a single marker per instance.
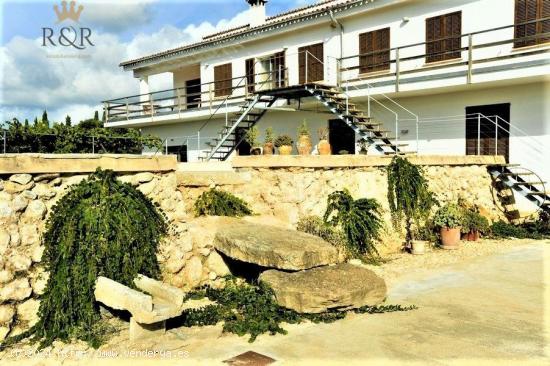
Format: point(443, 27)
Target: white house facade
point(449, 77)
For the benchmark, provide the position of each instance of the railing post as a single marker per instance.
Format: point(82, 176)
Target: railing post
point(496, 135)
point(396, 134)
point(93, 145)
point(127, 110)
point(210, 96)
point(479, 134)
point(397, 71)
point(368, 100)
point(106, 108)
point(417, 143)
point(226, 116)
point(347, 100)
point(280, 75)
point(178, 93)
point(306, 81)
point(5, 142)
point(198, 141)
point(470, 60)
point(338, 72)
point(166, 147)
point(151, 102)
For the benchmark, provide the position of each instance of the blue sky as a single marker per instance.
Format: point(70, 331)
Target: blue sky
point(30, 80)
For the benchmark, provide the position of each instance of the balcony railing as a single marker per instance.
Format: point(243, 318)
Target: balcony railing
point(482, 48)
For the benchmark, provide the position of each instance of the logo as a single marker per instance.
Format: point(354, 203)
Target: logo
point(67, 36)
point(71, 14)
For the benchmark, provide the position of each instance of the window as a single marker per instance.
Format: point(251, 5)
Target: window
point(375, 48)
point(528, 11)
point(278, 66)
point(222, 80)
point(310, 61)
point(250, 71)
point(443, 37)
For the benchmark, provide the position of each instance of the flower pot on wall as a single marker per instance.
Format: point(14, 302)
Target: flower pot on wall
point(324, 147)
point(450, 238)
point(268, 148)
point(418, 247)
point(304, 145)
point(256, 150)
point(285, 150)
point(472, 235)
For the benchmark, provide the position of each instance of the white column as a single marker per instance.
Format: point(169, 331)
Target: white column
point(144, 88)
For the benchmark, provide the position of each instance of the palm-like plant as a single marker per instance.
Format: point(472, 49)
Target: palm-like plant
point(359, 220)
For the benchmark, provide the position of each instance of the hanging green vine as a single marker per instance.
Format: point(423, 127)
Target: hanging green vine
point(359, 220)
point(408, 195)
point(101, 227)
point(219, 203)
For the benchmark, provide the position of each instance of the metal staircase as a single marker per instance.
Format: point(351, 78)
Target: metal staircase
point(249, 114)
point(337, 102)
point(511, 178)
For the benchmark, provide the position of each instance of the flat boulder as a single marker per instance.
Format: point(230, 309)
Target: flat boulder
point(271, 246)
point(340, 287)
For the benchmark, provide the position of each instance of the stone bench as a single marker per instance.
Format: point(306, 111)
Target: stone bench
point(149, 309)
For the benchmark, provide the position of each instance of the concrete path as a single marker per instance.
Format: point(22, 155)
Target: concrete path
point(489, 311)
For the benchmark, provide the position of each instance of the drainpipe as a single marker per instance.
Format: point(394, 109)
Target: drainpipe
point(334, 24)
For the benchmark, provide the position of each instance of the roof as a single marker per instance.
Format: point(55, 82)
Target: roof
point(300, 14)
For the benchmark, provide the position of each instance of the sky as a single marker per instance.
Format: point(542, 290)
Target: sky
point(67, 81)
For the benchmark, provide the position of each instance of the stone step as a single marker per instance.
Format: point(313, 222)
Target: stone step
point(340, 287)
point(272, 247)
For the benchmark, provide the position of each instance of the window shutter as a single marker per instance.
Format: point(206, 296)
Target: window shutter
point(315, 64)
point(443, 37)
point(249, 65)
point(544, 26)
point(222, 80)
point(372, 43)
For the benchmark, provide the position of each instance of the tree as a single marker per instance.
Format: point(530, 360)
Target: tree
point(68, 121)
point(96, 116)
point(45, 117)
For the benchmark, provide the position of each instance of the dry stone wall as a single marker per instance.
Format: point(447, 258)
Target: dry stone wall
point(280, 196)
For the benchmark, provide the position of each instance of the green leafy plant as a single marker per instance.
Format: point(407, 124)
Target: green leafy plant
point(283, 140)
point(303, 130)
point(219, 203)
point(252, 136)
point(448, 216)
point(315, 225)
point(101, 227)
point(252, 309)
point(472, 221)
point(323, 133)
point(269, 135)
point(358, 219)
point(408, 195)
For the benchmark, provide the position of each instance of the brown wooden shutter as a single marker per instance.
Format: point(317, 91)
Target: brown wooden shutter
point(250, 68)
point(315, 66)
point(544, 26)
point(526, 11)
point(443, 37)
point(223, 80)
point(375, 48)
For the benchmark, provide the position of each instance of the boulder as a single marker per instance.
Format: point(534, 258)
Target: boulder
point(340, 287)
point(5, 209)
point(192, 273)
point(19, 262)
point(12, 187)
point(217, 265)
point(271, 246)
point(6, 276)
point(7, 312)
point(19, 203)
point(28, 312)
point(36, 210)
point(21, 178)
point(143, 177)
point(45, 177)
point(44, 191)
point(4, 331)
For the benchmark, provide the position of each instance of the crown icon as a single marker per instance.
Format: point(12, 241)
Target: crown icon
point(68, 14)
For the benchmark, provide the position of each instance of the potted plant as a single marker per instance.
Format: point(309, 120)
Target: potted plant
point(473, 225)
point(284, 144)
point(252, 138)
point(363, 147)
point(268, 141)
point(449, 219)
point(304, 139)
point(323, 146)
point(410, 201)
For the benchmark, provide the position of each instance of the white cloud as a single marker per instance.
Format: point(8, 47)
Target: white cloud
point(31, 82)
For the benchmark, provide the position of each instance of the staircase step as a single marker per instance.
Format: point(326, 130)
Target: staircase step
point(392, 145)
point(511, 174)
point(528, 183)
point(399, 152)
point(538, 193)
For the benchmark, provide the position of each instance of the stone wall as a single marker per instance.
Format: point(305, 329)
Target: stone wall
point(279, 195)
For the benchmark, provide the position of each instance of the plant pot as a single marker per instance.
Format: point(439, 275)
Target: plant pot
point(304, 145)
point(472, 235)
point(418, 247)
point(268, 148)
point(324, 147)
point(450, 238)
point(285, 150)
point(256, 150)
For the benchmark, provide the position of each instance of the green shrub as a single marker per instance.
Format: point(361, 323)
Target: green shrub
point(303, 130)
point(359, 220)
point(219, 203)
point(269, 135)
point(315, 225)
point(473, 221)
point(283, 140)
point(101, 227)
point(408, 195)
point(252, 309)
point(252, 136)
point(501, 229)
point(449, 216)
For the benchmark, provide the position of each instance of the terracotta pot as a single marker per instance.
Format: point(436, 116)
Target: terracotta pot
point(256, 151)
point(268, 148)
point(472, 235)
point(450, 237)
point(285, 150)
point(304, 145)
point(324, 147)
point(418, 247)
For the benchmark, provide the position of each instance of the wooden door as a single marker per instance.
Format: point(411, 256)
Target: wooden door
point(310, 60)
point(193, 93)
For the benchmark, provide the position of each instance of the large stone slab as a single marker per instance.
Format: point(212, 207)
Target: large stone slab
point(271, 246)
point(340, 287)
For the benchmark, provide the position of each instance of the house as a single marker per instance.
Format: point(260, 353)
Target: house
point(447, 77)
